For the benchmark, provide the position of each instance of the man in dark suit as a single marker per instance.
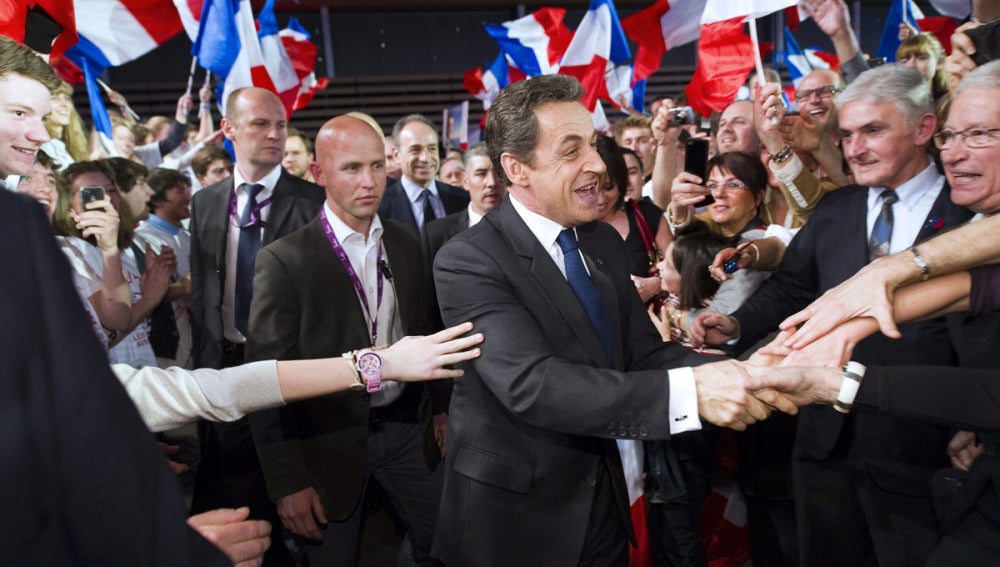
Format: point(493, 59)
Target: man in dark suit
point(533, 474)
point(417, 198)
point(346, 281)
point(68, 500)
point(230, 221)
point(485, 195)
point(862, 482)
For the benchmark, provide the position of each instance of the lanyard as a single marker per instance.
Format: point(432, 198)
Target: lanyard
point(344, 261)
point(255, 219)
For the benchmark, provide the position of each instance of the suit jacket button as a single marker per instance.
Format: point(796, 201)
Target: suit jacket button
point(622, 432)
point(633, 432)
point(612, 430)
point(643, 432)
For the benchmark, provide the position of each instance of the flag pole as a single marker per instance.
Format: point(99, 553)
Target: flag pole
point(194, 61)
point(108, 90)
point(756, 51)
point(905, 2)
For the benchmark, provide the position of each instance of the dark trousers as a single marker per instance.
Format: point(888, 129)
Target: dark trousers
point(846, 519)
point(395, 457)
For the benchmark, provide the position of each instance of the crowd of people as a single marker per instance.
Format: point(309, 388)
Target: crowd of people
point(517, 340)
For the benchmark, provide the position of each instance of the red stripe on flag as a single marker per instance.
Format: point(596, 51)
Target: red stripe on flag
point(642, 554)
point(644, 29)
point(158, 18)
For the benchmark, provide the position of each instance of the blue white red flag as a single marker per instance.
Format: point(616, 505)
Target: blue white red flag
point(113, 32)
point(535, 42)
point(598, 47)
point(890, 33)
point(98, 112)
point(190, 14)
point(659, 28)
point(487, 84)
point(302, 53)
point(276, 60)
point(800, 62)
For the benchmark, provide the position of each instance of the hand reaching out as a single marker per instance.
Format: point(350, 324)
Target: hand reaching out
point(243, 541)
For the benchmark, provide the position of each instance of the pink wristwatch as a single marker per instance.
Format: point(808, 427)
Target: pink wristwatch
point(369, 366)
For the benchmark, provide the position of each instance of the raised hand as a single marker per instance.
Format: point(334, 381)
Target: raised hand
point(101, 221)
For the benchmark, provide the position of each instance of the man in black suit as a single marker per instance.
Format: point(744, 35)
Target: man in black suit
point(533, 474)
point(862, 482)
point(346, 281)
point(230, 221)
point(417, 198)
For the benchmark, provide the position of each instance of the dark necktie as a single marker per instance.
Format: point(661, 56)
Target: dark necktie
point(584, 288)
point(878, 244)
point(429, 213)
point(246, 256)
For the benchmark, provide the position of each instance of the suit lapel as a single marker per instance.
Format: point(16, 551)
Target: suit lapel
point(282, 200)
point(399, 205)
point(219, 231)
point(332, 277)
point(856, 224)
point(553, 282)
point(943, 214)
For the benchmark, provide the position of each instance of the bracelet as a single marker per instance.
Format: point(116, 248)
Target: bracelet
point(756, 254)
point(674, 225)
point(925, 270)
point(854, 372)
point(783, 155)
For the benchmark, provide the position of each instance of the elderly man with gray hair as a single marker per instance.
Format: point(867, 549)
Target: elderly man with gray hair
point(862, 481)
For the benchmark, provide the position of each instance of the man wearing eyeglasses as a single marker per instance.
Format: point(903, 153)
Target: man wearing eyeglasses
point(862, 481)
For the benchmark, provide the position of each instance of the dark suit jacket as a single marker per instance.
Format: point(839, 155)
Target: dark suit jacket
point(436, 233)
point(830, 248)
point(536, 415)
point(305, 306)
point(397, 207)
point(82, 482)
point(295, 202)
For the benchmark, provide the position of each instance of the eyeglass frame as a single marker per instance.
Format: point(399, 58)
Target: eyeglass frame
point(941, 144)
point(823, 92)
point(728, 187)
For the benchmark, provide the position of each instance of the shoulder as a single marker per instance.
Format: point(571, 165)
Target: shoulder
point(216, 191)
point(845, 196)
point(400, 232)
point(300, 187)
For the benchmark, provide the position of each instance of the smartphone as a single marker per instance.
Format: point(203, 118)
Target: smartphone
point(696, 162)
point(90, 193)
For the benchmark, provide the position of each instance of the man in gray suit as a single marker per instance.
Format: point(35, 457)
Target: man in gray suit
point(230, 221)
point(571, 363)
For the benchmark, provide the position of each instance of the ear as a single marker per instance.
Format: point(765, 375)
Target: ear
point(227, 129)
point(925, 128)
point(516, 171)
point(317, 173)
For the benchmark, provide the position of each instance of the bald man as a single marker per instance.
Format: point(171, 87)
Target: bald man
point(346, 282)
point(230, 221)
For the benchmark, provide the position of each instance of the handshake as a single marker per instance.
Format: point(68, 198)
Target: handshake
point(736, 394)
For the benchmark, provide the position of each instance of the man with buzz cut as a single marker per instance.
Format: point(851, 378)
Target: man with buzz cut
point(346, 283)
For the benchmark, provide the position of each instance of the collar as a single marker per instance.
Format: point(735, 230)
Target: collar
point(413, 190)
point(912, 190)
point(163, 225)
point(268, 181)
point(545, 229)
point(343, 232)
point(474, 217)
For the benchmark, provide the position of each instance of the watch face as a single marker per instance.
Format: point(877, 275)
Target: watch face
point(369, 363)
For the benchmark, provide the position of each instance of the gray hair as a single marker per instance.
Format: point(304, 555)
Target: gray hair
point(987, 75)
point(479, 149)
point(894, 83)
point(409, 119)
point(511, 124)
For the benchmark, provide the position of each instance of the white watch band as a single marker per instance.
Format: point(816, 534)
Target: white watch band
point(854, 372)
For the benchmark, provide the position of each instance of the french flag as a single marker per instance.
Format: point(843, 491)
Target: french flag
point(598, 47)
point(276, 60)
point(725, 51)
point(801, 62)
point(659, 28)
point(486, 85)
point(535, 42)
point(890, 33)
point(189, 12)
point(302, 52)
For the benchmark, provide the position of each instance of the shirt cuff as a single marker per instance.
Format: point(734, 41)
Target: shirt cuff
point(683, 401)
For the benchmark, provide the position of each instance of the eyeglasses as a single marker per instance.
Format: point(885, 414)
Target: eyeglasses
point(823, 92)
point(731, 187)
point(971, 137)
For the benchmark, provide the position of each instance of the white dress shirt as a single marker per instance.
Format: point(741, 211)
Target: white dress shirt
point(683, 409)
point(362, 252)
point(916, 197)
point(233, 244)
point(413, 192)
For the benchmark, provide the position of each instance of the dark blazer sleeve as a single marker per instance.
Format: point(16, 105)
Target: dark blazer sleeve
point(83, 483)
